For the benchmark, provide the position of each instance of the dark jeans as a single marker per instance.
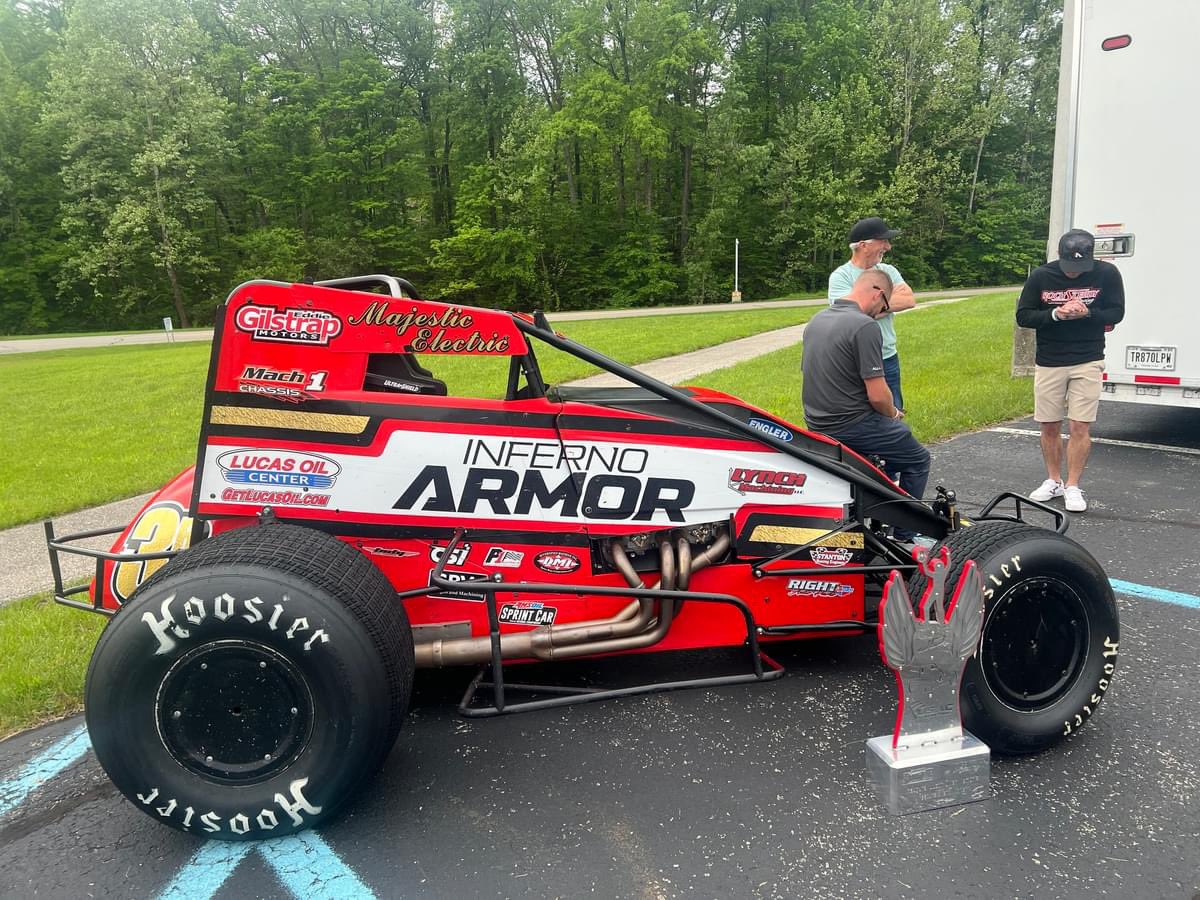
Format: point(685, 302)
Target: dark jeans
point(891, 374)
point(903, 454)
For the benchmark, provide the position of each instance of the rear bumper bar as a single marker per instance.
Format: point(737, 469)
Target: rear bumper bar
point(68, 543)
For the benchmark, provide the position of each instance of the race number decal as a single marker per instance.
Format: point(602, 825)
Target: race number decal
point(161, 526)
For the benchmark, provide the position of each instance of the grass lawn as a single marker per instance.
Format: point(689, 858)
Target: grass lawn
point(44, 652)
point(956, 363)
point(85, 427)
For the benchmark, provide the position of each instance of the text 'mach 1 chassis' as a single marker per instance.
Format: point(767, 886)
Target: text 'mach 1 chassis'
point(348, 520)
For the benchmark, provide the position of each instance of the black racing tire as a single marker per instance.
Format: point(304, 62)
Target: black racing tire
point(1050, 635)
point(252, 685)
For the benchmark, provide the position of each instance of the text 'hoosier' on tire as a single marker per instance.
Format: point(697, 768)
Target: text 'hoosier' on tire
point(1050, 635)
point(251, 686)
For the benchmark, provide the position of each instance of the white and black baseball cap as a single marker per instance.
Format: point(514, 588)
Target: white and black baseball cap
point(1075, 251)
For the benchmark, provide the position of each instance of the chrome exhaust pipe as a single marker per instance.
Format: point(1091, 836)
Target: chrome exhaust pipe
point(540, 643)
point(683, 557)
point(628, 629)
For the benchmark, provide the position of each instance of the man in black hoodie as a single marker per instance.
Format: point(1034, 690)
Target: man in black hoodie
point(1070, 303)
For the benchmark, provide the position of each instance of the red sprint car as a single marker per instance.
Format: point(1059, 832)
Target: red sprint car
point(353, 515)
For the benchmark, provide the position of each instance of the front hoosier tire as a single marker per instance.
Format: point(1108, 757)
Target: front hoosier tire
point(253, 685)
point(1050, 635)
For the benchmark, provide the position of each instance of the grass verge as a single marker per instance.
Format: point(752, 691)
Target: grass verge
point(86, 427)
point(956, 364)
point(44, 651)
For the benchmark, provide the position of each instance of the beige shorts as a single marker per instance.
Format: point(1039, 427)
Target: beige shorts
point(1067, 392)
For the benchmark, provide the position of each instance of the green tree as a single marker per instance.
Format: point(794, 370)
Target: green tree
point(30, 190)
point(554, 153)
point(143, 135)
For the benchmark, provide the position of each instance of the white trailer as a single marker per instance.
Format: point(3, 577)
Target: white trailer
point(1126, 157)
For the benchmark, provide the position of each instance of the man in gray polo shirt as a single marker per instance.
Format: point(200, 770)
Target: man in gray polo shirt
point(845, 393)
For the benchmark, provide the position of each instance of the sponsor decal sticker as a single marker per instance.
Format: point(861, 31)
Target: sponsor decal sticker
point(273, 498)
point(290, 385)
point(455, 593)
point(289, 325)
point(533, 477)
point(395, 385)
point(766, 481)
point(278, 468)
point(391, 551)
point(533, 613)
point(830, 556)
point(775, 431)
point(557, 562)
point(267, 375)
point(274, 391)
point(816, 587)
point(457, 557)
point(503, 558)
point(433, 332)
point(455, 477)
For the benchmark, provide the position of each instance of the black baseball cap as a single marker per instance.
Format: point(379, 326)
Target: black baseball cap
point(1075, 249)
point(872, 229)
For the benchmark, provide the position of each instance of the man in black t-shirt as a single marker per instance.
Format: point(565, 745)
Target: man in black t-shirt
point(1070, 303)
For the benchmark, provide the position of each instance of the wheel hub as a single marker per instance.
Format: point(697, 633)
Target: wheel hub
point(234, 711)
point(1034, 644)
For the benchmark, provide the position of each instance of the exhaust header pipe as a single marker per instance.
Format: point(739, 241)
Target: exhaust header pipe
point(631, 628)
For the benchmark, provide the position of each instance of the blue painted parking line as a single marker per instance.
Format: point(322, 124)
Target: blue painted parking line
point(42, 768)
point(206, 872)
point(304, 864)
point(1152, 593)
point(309, 868)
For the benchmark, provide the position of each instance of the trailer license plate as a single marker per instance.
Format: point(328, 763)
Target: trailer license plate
point(1160, 358)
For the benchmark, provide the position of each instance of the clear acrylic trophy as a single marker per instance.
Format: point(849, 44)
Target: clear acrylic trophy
point(929, 761)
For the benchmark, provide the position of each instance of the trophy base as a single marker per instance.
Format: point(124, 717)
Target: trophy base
point(920, 778)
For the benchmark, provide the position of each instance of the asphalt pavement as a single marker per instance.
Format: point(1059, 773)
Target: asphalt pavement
point(749, 791)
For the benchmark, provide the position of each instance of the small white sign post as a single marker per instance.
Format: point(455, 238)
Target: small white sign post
point(737, 295)
point(169, 328)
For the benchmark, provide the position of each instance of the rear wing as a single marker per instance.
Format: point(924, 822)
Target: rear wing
point(277, 344)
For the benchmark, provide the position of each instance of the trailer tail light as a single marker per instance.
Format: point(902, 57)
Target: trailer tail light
point(1120, 42)
point(1156, 379)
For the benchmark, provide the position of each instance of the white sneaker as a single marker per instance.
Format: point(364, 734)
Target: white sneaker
point(1049, 489)
point(1074, 500)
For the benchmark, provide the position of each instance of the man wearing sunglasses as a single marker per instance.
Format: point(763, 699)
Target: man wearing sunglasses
point(870, 239)
point(845, 393)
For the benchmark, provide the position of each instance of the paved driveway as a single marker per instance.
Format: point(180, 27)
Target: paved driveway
point(740, 792)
